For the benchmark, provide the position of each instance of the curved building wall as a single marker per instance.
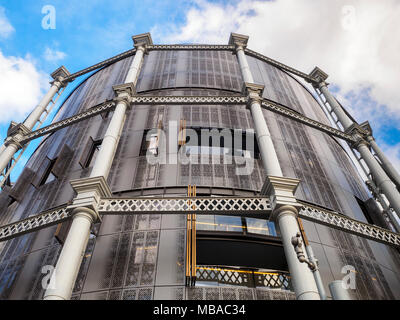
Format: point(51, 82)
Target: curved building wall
point(143, 256)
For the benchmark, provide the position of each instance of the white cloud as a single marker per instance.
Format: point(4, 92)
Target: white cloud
point(21, 87)
point(354, 41)
point(6, 29)
point(53, 55)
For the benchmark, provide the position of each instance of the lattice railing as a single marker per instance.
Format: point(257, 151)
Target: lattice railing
point(241, 277)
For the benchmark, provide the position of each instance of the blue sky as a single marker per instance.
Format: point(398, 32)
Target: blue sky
point(349, 39)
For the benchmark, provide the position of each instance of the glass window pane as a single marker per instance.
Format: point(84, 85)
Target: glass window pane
point(260, 226)
point(228, 223)
point(205, 222)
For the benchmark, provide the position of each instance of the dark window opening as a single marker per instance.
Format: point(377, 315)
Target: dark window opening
point(94, 150)
point(12, 200)
point(149, 142)
point(365, 211)
point(49, 175)
point(105, 115)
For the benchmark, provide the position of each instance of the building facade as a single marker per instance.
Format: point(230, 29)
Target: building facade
point(145, 256)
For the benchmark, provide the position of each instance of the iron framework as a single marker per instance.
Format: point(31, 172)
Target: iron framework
point(244, 206)
point(185, 100)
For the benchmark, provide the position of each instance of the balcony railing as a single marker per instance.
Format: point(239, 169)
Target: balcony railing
point(220, 276)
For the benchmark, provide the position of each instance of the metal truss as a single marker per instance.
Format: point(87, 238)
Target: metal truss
point(101, 64)
point(190, 47)
point(279, 65)
point(181, 100)
point(243, 206)
point(341, 222)
point(103, 107)
point(272, 106)
point(185, 100)
point(259, 207)
point(34, 223)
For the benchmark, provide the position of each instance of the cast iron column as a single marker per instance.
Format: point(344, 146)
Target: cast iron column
point(91, 190)
point(279, 188)
point(11, 144)
point(384, 183)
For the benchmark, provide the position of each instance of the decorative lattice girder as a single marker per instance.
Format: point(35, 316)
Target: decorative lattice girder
point(244, 206)
point(103, 107)
point(34, 223)
point(258, 206)
point(190, 47)
point(274, 107)
point(101, 64)
point(341, 222)
point(182, 100)
point(280, 65)
point(186, 100)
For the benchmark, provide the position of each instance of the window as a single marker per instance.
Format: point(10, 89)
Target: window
point(152, 145)
point(48, 175)
point(235, 224)
point(89, 153)
point(364, 209)
point(149, 142)
point(95, 148)
point(260, 226)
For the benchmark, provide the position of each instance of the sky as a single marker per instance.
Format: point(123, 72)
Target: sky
point(355, 41)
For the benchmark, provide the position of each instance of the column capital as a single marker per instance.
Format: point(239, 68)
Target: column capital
point(142, 41)
point(281, 192)
point(124, 92)
point(60, 72)
point(238, 40)
point(359, 134)
point(89, 193)
point(85, 212)
point(366, 127)
point(15, 132)
point(124, 89)
point(253, 91)
point(16, 128)
point(319, 76)
point(58, 75)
